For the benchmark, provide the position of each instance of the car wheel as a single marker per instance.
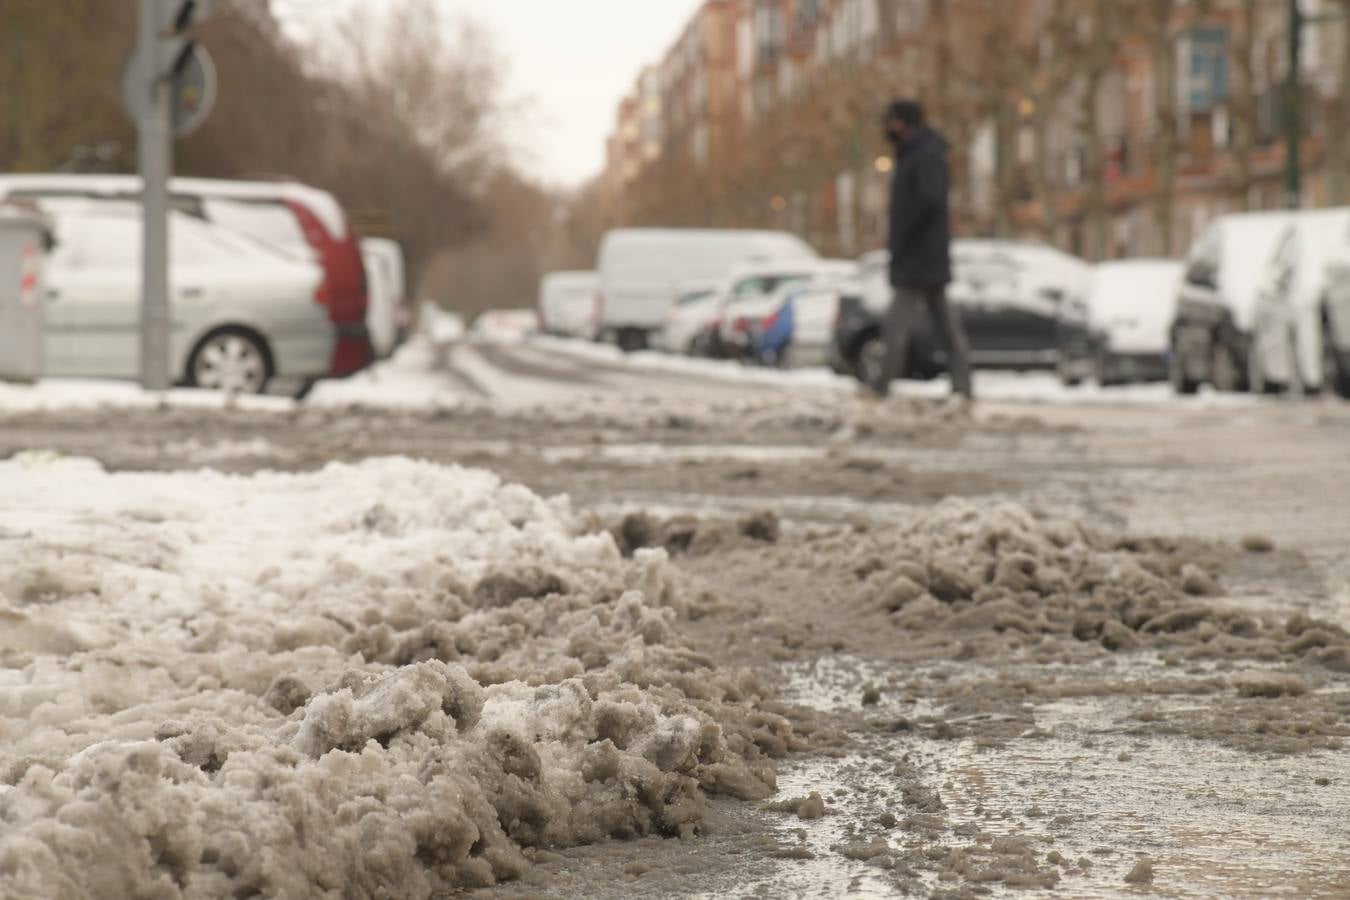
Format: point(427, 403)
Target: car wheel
point(1068, 375)
point(231, 361)
point(1182, 384)
point(871, 357)
point(1335, 366)
point(1101, 369)
point(1223, 370)
point(631, 340)
point(1257, 381)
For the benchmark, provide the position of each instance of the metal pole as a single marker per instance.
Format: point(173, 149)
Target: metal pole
point(156, 162)
point(1293, 166)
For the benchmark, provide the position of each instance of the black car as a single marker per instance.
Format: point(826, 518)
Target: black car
point(1009, 295)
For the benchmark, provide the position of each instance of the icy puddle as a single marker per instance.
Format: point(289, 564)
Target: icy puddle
point(1081, 786)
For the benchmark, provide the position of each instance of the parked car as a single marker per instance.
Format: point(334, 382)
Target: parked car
point(296, 219)
point(641, 269)
point(505, 325)
point(388, 315)
point(1334, 322)
point(1287, 342)
point(1120, 333)
point(798, 329)
point(688, 324)
point(750, 296)
point(241, 313)
point(1211, 333)
point(1009, 295)
point(567, 304)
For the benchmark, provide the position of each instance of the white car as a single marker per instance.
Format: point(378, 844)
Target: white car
point(1335, 322)
point(505, 325)
point(242, 313)
point(387, 314)
point(1287, 342)
point(689, 322)
point(751, 295)
point(1211, 334)
point(642, 268)
point(798, 331)
point(1123, 333)
point(567, 304)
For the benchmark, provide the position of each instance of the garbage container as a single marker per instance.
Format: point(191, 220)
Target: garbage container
point(23, 243)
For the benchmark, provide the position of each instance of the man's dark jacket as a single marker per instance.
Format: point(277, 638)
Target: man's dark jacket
point(921, 230)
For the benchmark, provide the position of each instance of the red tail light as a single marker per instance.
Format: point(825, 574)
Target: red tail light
point(343, 290)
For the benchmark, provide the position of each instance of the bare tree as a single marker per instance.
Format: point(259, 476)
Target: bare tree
point(1338, 120)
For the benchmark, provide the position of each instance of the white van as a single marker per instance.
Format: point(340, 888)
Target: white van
point(567, 304)
point(1211, 334)
point(387, 315)
point(1287, 340)
point(641, 269)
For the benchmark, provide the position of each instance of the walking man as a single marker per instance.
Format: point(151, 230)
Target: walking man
point(921, 235)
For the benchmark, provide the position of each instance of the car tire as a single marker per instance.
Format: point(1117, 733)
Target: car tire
point(631, 340)
point(1257, 382)
point(231, 360)
point(871, 353)
point(1335, 364)
point(1067, 375)
point(1101, 369)
point(1224, 372)
point(1182, 384)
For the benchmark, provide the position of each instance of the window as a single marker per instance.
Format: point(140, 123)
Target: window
point(269, 223)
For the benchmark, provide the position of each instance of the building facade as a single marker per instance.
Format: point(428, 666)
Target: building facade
point(1108, 127)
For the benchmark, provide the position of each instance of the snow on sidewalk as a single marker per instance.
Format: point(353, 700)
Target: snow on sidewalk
point(386, 679)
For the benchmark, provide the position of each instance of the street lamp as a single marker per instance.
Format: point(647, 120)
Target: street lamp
point(1293, 164)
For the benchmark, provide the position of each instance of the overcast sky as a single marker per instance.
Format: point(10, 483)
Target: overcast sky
point(574, 59)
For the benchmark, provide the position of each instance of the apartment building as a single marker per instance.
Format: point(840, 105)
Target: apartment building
point(1108, 135)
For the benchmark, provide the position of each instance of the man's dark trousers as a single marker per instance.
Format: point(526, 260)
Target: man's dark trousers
point(899, 326)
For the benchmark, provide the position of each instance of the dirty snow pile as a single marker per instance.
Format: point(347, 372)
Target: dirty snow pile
point(387, 679)
point(975, 571)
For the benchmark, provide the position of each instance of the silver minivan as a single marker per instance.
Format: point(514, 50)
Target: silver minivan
point(242, 314)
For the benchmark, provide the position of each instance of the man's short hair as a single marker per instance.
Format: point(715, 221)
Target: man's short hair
point(908, 111)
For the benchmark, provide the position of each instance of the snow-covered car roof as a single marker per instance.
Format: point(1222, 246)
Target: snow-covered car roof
point(573, 279)
point(321, 203)
point(61, 212)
